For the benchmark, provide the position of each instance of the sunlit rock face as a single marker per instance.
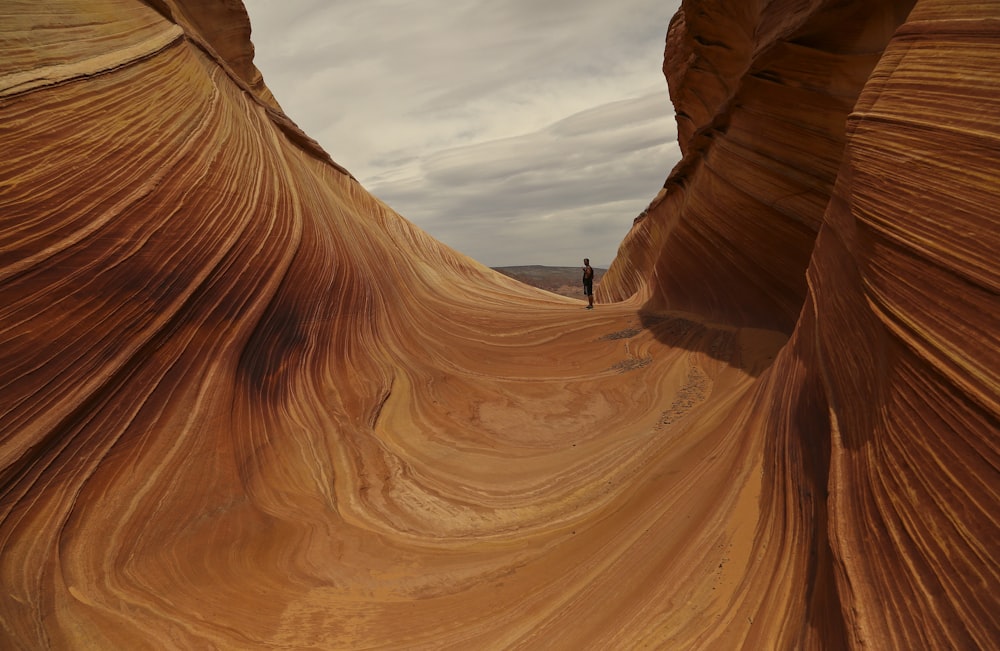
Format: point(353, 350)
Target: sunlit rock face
point(245, 405)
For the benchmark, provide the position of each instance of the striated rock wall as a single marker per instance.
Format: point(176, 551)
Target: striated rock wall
point(245, 405)
point(840, 178)
point(762, 92)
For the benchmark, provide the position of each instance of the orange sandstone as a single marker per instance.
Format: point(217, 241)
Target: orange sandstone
point(245, 405)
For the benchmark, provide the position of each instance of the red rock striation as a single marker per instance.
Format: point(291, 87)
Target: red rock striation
point(245, 405)
point(840, 180)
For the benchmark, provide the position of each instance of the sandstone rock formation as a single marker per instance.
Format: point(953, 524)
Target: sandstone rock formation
point(245, 405)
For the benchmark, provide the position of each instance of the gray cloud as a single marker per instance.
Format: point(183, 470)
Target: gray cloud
point(518, 132)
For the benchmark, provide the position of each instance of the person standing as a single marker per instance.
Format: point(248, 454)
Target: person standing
point(588, 283)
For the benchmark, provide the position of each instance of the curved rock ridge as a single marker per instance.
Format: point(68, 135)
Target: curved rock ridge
point(246, 405)
point(761, 97)
point(839, 180)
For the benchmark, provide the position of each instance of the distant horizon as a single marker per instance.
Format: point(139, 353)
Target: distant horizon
point(603, 267)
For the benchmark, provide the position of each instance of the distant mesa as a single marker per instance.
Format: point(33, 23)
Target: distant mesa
point(565, 281)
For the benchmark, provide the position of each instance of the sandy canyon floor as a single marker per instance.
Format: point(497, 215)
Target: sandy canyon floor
point(554, 500)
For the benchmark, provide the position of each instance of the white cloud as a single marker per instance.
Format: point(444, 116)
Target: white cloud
point(519, 132)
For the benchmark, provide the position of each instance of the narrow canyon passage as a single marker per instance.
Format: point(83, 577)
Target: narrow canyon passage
point(244, 404)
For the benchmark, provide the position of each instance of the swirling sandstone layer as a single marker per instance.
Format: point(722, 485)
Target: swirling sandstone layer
point(840, 181)
point(245, 405)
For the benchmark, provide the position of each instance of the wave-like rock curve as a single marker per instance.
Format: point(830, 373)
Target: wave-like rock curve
point(245, 405)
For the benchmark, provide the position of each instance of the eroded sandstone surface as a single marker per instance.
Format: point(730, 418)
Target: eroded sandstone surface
point(246, 405)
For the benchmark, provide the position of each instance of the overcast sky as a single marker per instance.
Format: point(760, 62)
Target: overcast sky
point(516, 131)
